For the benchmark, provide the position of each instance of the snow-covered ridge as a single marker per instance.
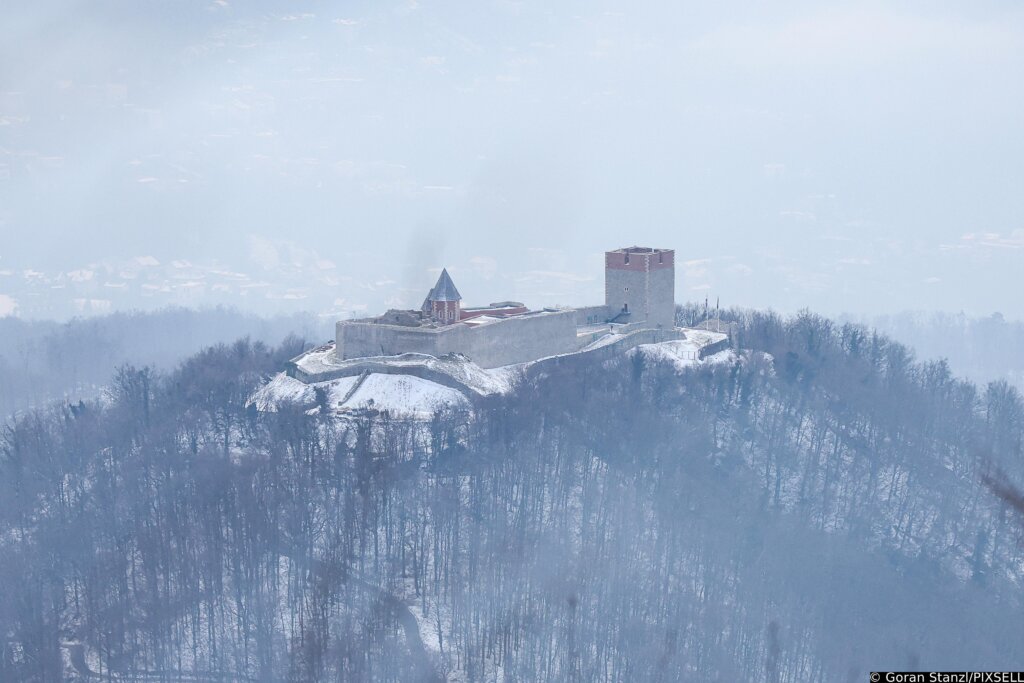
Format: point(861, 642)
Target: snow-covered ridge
point(398, 394)
point(682, 353)
point(417, 385)
point(321, 364)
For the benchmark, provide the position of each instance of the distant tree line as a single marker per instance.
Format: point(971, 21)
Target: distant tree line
point(981, 348)
point(45, 360)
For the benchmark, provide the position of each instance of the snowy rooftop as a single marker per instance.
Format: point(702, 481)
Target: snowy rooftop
point(482, 320)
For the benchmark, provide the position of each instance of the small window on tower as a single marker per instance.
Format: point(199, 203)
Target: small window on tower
point(661, 257)
point(627, 258)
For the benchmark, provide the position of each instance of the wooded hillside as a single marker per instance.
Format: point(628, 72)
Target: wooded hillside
point(810, 512)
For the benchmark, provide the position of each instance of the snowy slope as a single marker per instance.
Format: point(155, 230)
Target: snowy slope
point(683, 353)
point(400, 394)
point(383, 386)
point(282, 389)
point(405, 395)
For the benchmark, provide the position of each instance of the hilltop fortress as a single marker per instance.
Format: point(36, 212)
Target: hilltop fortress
point(413, 361)
point(639, 295)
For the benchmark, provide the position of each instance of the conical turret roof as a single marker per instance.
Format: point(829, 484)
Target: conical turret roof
point(444, 290)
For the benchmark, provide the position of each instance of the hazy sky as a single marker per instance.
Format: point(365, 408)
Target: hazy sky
point(849, 157)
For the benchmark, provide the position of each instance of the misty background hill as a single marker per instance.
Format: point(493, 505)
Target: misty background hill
point(982, 349)
point(44, 360)
point(810, 511)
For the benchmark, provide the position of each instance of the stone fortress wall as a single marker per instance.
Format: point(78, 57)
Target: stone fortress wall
point(439, 369)
point(514, 340)
point(639, 294)
point(591, 315)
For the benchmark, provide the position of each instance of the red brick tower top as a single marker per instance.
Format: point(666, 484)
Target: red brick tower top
point(642, 259)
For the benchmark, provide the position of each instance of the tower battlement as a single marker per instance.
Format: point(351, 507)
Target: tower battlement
point(639, 285)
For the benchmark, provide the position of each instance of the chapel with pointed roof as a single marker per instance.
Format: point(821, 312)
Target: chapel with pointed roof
point(443, 303)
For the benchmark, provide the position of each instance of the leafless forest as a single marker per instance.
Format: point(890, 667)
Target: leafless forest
point(813, 511)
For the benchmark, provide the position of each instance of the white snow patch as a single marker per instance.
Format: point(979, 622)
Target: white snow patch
point(427, 628)
point(604, 340)
point(726, 356)
point(337, 389)
point(704, 337)
point(502, 379)
point(681, 353)
point(404, 394)
point(484, 382)
point(399, 394)
point(282, 389)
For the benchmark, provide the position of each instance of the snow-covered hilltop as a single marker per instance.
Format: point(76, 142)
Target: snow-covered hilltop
point(639, 295)
point(413, 362)
point(416, 385)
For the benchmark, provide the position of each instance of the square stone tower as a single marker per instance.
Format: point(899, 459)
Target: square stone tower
point(639, 286)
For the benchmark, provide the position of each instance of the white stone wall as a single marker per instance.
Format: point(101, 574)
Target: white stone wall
point(649, 294)
point(661, 303)
point(516, 340)
point(591, 315)
point(361, 339)
point(626, 287)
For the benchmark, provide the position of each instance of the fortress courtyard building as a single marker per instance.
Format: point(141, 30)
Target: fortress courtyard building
point(639, 295)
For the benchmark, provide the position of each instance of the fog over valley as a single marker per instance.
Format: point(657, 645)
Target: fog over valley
point(846, 157)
